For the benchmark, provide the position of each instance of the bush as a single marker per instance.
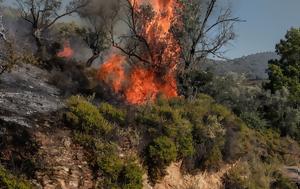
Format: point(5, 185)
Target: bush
point(85, 117)
point(132, 176)
point(254, 120)
point(162, 151)
point(185, 144)
point(112, 113)
point(108, 160)
point(8, 181)
point(91, 124)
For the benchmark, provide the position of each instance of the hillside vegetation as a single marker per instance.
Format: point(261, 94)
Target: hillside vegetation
point(202, 133)
point(127, 97)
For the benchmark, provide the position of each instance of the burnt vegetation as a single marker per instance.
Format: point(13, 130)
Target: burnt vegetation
point(155, 104)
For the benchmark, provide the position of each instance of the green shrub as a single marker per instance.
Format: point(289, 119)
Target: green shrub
point(8, 181)
point(254, 120)
point(113, 113)
point(108, 161)
point(131, 176)
point(85, 117)
point(118, 173)
point(213, 158)
point(85, 140)
point(185, 145)
point(162, 151)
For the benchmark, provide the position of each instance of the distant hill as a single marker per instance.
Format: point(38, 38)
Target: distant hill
point(253, 66)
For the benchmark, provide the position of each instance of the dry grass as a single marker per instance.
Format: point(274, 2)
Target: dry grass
point(176, 180)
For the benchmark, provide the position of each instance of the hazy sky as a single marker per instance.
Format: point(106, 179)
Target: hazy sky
point(266, 23)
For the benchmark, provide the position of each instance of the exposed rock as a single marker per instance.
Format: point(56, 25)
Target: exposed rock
point(24, 93)
point(28, 102)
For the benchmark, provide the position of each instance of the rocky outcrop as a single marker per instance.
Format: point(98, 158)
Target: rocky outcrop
point(30, 106)
point(24, 93)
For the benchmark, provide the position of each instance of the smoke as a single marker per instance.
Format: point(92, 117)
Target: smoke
point(100, 8)
point(16, 28)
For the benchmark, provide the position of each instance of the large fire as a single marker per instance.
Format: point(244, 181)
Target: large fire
point(67, 51)
point(139, 83)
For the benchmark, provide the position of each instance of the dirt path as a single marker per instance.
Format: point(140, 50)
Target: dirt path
point(65, 166)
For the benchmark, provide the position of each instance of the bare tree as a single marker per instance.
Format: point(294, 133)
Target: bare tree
point(207, 28)
point(204, 29)
point(42, 14)
point(98, 17)
point(139, 46)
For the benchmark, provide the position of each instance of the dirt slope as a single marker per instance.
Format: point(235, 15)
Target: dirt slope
point(65, 165)
point(176, 180)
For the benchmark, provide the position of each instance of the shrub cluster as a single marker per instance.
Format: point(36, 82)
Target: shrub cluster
point(201, 132)
point(94, 128)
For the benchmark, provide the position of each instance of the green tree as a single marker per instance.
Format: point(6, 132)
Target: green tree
point(285, 72)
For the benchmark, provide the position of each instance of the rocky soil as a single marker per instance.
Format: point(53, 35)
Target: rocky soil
point(29, 104)
point(65, 165)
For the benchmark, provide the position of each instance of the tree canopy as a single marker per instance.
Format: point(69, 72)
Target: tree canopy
point(285, 72)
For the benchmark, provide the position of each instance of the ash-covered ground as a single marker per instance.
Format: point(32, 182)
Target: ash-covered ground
point(25, 94)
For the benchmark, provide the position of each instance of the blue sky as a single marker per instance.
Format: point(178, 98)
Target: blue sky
point(266, 23)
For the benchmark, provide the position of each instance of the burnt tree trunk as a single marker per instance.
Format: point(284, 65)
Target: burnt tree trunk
point(40, 53)
point(92, 59)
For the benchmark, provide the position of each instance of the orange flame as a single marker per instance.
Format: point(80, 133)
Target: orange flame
point(141, 84)
point(145, 86)
point(112, 72)
point(67, 51)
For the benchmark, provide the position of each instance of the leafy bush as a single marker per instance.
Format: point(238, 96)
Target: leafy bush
point(10, 182)
point(254, 120)
point(132, 176)
point(91, 125)
point(112, 113)
point(108, 161)
point(162, 151)
point(118, 173)
point(86, 117)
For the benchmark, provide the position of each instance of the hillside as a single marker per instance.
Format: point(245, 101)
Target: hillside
point(253, 66)
point(117, 98)
point(84, 144)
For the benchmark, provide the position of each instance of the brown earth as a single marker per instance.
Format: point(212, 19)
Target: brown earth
point(65, 166)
